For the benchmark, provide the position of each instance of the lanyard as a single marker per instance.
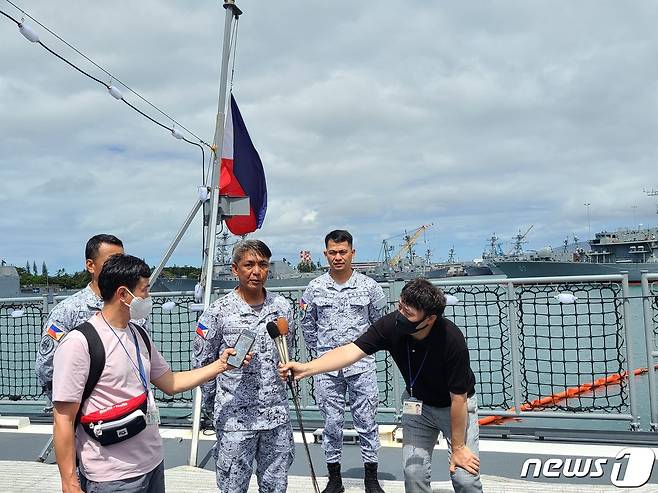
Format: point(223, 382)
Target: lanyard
point(139, 367)
point(142, 372)
point(412, 379)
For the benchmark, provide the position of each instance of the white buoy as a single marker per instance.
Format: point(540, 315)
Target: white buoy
point(28, 32)
point(115, 93)
point(451, 300)
point(566, 298)
point(168, 306)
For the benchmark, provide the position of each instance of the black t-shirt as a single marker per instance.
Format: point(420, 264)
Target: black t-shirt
point(447, 365)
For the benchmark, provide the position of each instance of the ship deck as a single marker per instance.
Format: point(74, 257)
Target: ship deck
point(502, 460)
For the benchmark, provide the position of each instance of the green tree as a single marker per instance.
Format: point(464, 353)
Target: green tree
point(44, 269)
point(306, 267)
point(27, 267)
point(34, 268)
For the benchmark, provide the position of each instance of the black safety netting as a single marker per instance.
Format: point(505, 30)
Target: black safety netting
point(20, 334)
point(172, 328)
point(560, 345)
point(566, 343)
point(482, 315)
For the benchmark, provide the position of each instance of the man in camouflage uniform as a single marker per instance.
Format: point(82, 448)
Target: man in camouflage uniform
point(75, 309)
point(250, 404)
point(340, 306)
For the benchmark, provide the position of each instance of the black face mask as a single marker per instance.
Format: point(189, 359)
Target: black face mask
point(404, 325)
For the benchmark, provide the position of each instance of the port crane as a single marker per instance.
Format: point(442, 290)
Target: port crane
point(409, 241)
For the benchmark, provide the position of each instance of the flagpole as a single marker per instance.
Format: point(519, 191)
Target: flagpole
point(215, 211)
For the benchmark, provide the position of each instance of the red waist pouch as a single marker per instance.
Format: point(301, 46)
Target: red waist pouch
point(115, 412)
point(117, 423)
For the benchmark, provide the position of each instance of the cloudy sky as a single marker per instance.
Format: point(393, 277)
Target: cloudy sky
point(479, 117)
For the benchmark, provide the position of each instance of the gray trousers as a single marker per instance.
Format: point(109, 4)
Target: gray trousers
point(235, 452)
point(419, 438)
point(364, 397)
point(151, 482)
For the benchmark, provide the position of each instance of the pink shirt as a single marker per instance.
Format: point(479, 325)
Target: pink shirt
point(119, 382)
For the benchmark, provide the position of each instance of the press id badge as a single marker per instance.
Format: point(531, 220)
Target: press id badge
point(152, 413)
point(412, 406)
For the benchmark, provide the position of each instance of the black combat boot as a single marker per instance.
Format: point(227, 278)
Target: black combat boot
point(370, 479)
point(335, 484)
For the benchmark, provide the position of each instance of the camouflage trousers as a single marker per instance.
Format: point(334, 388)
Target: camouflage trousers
point(364, 396)
point(235, 452)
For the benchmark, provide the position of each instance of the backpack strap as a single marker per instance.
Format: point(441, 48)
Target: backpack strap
point(96, 362)
point(97, 359)
point(142, 332)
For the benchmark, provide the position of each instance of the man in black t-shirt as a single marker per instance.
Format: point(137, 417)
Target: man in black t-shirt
point(432, 356)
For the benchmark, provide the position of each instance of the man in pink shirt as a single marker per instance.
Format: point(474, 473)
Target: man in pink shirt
point(135, 461)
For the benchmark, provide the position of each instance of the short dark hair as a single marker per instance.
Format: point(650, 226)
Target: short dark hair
point(255, 246)
point(94, 243)
point(425, 296)
point(121, 270)
point(338, 236)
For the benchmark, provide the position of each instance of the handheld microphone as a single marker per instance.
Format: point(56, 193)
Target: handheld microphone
point(282, 325)
point(278, 331)
point(273, 331)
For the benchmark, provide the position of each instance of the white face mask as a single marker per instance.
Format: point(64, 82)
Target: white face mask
point(139, 307)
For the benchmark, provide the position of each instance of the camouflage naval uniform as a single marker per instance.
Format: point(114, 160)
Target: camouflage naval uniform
point(337, 315)
point(251, 403)
point(67, 314)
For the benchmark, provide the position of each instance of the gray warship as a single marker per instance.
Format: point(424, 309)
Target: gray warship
point(625, 250)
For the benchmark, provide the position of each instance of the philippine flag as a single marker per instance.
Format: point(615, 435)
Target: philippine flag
point(242, 173)
point(55, 332)
point(202, 330)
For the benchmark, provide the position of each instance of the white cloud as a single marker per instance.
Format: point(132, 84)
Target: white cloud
point(310, 217)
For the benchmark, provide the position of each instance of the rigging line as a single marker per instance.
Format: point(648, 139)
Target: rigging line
point(203, 153)
point(10, 17)
point(105, 71)
point(235, 45)
point(58, 55)
point(74, 66)
point(206, 172)
point(147, 116)
point(107, 86)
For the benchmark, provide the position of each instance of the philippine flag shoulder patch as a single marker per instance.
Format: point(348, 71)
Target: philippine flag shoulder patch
point(201, 330)
point(55, 332)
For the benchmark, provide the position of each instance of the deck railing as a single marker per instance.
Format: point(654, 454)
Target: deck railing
point(559, 347)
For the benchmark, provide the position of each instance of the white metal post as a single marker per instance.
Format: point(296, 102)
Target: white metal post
point(214, 217)
point(630, 366)
point(651, 350)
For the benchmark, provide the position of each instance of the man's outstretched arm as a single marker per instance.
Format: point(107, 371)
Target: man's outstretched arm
point(335, 359)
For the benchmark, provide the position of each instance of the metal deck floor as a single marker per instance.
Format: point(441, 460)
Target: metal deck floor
point(24, 477)
point(502, 462)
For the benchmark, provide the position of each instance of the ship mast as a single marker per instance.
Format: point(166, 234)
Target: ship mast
point(517, 249)
point(652, 193)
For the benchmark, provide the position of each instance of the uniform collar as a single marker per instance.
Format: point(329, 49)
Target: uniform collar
point(350, 283)
point(92, 299)
point(245, 307)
